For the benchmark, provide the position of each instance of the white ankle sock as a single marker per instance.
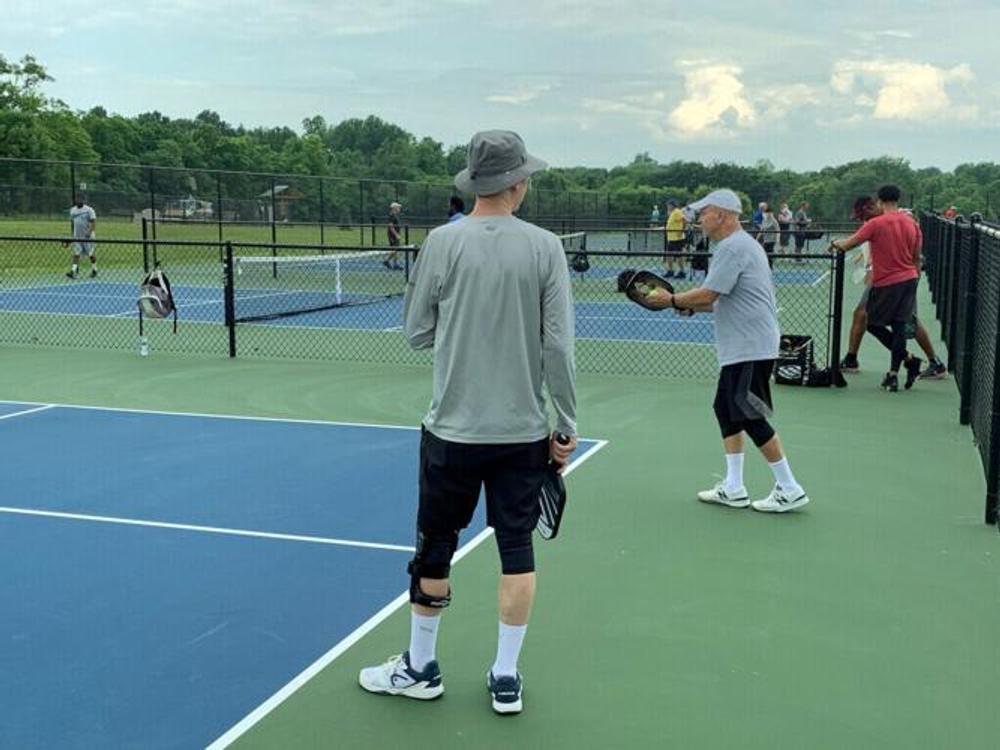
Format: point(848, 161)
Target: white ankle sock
point(783, 475)
point(423, 639)
point(508, 649)
point(734, 472)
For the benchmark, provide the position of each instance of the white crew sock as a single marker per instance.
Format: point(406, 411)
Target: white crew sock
point(508, 649)
point(734, 472)
point(423, 639)
point(783, 476)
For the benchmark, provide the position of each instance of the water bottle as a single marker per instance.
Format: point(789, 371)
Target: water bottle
point(143, 346)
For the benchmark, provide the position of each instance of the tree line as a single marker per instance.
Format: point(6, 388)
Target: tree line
point(35, 126)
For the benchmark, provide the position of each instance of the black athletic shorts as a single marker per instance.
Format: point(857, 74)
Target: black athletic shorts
point(675, 247)
point(896, 303)
point(744, 391)
point(452, 475)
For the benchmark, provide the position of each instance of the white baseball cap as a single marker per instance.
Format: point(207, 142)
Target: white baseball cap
point(725, 199)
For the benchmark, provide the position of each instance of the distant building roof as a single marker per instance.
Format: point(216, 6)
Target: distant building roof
point(283, 191)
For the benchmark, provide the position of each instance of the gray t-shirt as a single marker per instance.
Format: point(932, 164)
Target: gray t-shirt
point(81, 219)
point(492, 296)
point(746, 318)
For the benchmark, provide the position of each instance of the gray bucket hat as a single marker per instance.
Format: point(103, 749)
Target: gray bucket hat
point(496, 160)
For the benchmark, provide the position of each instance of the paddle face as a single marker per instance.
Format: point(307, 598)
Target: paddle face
point(642, 286)
point(552, 502)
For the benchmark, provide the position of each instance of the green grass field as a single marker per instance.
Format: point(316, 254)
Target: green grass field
point(868, 620)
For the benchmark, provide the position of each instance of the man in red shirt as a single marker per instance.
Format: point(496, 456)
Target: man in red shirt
point(895, 240)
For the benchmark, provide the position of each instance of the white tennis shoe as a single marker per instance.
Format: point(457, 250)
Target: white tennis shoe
point(720, 496)
point(779, 501)
point(397, 677)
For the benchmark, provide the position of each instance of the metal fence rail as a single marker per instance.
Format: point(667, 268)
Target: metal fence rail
point(345, 302)
point(962, 260)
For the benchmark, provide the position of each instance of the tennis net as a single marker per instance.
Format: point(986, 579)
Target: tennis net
point(269, 287)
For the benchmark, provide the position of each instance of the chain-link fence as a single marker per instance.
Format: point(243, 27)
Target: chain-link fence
point(962, 260)
point(312, 208)
point(346, 302)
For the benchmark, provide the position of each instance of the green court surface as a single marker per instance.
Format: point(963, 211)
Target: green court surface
point(868, 620)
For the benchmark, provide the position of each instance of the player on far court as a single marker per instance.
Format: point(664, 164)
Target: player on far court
point(491, 295)
point(83, 220)
point(739, 290)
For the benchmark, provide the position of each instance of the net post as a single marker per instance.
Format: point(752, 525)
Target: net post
point(229, 296)
point(969, 305)
point(152, 201)
point(837, 319)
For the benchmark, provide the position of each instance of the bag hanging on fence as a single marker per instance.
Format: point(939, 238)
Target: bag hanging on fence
point(156, 298)
point(580, 263)
point(814, 232)
point(795, 360)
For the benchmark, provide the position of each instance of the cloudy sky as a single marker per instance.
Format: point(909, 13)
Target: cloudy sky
point(586, 82)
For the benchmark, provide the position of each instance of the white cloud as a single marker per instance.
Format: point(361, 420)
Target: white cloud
point(903, 89)
point(520, 95)
point(715, 103)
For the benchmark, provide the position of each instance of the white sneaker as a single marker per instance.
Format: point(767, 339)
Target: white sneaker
point(719, 495)
point(781, 502)
point(397, 677)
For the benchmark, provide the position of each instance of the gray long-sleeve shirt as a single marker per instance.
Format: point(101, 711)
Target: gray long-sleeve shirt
point(492, 295)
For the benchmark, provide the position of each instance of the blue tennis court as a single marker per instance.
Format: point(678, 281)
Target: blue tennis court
point(168, 573)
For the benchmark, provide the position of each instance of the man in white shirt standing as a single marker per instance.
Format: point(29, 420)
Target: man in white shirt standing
point(83, 220)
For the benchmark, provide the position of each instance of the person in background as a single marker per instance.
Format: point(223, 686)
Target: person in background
point(895, 241)
point(758, 216)
point(83, 220)
point(675, 241)
point(951, 212)
point(866, 208)
point(395, 237)
point(769, 231)
point(654, 216)
point(802, 222)
point(456, 208)
point(785, 217)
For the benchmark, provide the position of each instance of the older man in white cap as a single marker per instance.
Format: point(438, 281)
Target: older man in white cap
point(740, 293)
point(491, 295)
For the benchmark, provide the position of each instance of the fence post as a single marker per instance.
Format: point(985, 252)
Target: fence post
point(361, 210)
point(218, 201)
point(322, 213)
point(72, 183)
point(229, 296)
point(837, 320)
point(953, 300)
point(152, 199)
point(969, 303)
point(145, 247)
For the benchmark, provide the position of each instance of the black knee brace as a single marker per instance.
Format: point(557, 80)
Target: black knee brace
point(727, 428)
point(517, 555)
point(432, 560)
point(759, 430)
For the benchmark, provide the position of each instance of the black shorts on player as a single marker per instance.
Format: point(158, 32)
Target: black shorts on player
point(451, 478)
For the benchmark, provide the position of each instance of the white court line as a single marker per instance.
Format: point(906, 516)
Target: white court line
point(203, 529)
point(252, 718)
point(220, 416)
point(820, 279)
point(25, 411)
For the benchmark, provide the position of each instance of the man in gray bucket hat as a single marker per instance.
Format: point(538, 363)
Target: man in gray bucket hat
point(491, 295)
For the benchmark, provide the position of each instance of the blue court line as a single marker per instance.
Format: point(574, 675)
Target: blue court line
point(163, 637)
